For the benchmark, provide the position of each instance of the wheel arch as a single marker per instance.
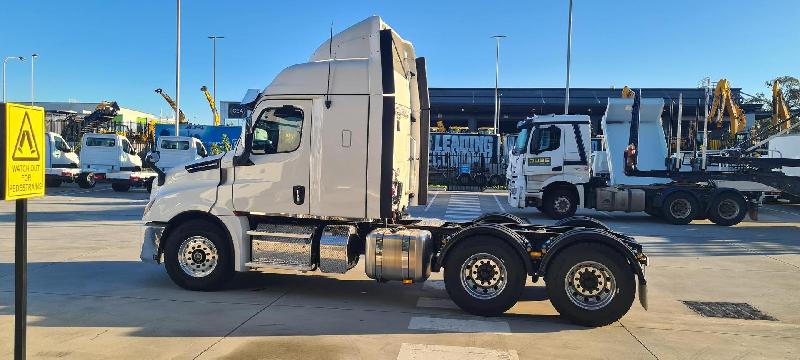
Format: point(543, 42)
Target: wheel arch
point(495, 231)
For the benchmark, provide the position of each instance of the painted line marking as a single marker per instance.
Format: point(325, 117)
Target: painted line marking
point(434, 284)
point(438, 303)
point(496, 198)
point(444, 352)
point(431, 202)
point(459, 325)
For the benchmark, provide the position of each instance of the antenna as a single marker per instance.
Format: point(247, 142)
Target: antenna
point(330, 59)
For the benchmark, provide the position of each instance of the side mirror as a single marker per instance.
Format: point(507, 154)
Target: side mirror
point(153, 157)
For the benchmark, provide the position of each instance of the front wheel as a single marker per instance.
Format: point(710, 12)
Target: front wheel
point(86, 180)
point(484, 276)
point(590, 284)
point(197, 256)
point(560, 203)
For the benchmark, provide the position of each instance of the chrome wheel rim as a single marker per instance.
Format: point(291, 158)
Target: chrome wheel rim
point(680, 208)
point(590, 285)
point(198, 256)
point(484, 276)
point(562, 204)
point(728, 209)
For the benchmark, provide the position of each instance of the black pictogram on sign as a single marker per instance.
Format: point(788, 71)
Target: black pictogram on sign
point(26, 149)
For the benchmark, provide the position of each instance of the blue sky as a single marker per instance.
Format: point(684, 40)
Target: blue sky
point(121, 50)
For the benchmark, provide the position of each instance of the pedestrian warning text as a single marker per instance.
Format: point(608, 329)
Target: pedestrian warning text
point(22, 151)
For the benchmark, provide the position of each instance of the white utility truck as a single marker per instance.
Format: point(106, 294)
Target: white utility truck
point(553, 167)
point(177, 150)
point(111, 158)
point(61, 162)
point(330, 161)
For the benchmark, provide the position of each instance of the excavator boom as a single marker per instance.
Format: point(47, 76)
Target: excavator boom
point(172, 104)
point(212, 104)
point(780, 111)
point(725, 104)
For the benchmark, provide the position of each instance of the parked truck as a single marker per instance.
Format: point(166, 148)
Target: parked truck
point(111, 158)
point(61, 162)
point(323, 178)
point(554, 169)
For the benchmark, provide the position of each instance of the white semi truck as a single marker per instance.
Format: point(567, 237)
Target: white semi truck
point(553, 167)
point(331, 158)
point(61, 161)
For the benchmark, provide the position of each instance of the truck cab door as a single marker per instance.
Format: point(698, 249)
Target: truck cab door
point(545, 155)
point(275, 179)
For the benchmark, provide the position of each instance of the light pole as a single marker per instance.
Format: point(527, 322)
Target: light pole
point(569, 59)
point(497, 39)
point(5, 60)
point(178, 73)
point(214, 64)
point(33, 57)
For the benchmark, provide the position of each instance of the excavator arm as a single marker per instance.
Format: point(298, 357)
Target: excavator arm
point(780, 111)
point(172, 104)
point(724, 104)
point(212, 104)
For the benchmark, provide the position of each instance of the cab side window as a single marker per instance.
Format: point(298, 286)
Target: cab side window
point(201, 150)
point(546, 139)
point(126, 146)
point(278, 130)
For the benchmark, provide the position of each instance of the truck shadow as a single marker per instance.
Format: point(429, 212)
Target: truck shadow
point(129, 294)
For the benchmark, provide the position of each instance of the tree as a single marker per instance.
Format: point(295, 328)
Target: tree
point(222, 146)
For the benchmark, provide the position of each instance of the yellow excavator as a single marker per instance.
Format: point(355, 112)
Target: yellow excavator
point(627, 93)
point(780, 111)
point(211, 103)
point(182, 118)
point(724, 103)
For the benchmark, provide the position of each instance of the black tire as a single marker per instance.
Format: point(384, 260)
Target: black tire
point(727, 209)
point(86, 180)
point(560, 203)
point(582, 221)
point(149, 185)
point(680, 208)
point(464, 179)
point(499, 218)
point(616, 267)
point(478, 248)
point(120, 186)
point(52, 182)
point(219, 274)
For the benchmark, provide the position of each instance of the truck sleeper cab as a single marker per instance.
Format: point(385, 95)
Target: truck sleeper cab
point(323, 176)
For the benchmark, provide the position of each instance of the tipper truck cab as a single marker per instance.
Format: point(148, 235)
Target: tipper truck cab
point(61, 161)
point(555, 168)
point(333, 155)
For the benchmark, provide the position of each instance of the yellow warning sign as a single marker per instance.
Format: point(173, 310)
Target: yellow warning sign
point(22, 151)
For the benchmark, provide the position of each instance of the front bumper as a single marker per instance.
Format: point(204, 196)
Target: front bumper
point(151, 242)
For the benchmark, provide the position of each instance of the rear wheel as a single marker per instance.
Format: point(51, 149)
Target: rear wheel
point(560, 203)
point(484, 276)
point(120, 186)
point(680, 208)
point(727, 209)
point(197, 256)
point(86, 180)
point(149, 185)
point(590, 284)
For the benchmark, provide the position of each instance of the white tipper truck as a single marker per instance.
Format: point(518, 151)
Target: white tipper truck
point(553, 168)
point(61, 161)
point(331, 158)
point(111, 158)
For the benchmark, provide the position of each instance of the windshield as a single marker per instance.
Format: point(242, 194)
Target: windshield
point(93, 141)
point(522, 141)
point(175, 144)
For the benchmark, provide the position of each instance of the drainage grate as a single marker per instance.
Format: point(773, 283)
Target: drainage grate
point(727, 310)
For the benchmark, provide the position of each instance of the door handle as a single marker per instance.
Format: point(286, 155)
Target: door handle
point(558, 168)
point(299, 194)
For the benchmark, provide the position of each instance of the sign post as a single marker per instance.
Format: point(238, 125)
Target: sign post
point(22, 160)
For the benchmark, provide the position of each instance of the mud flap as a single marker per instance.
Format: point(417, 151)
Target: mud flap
point(643, 294)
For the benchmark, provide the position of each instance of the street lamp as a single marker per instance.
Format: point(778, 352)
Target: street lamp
point(178, 72)
point(214, 62)
point(569, 59)
point(497, 91)
point(5, 60)
point(33, 57)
